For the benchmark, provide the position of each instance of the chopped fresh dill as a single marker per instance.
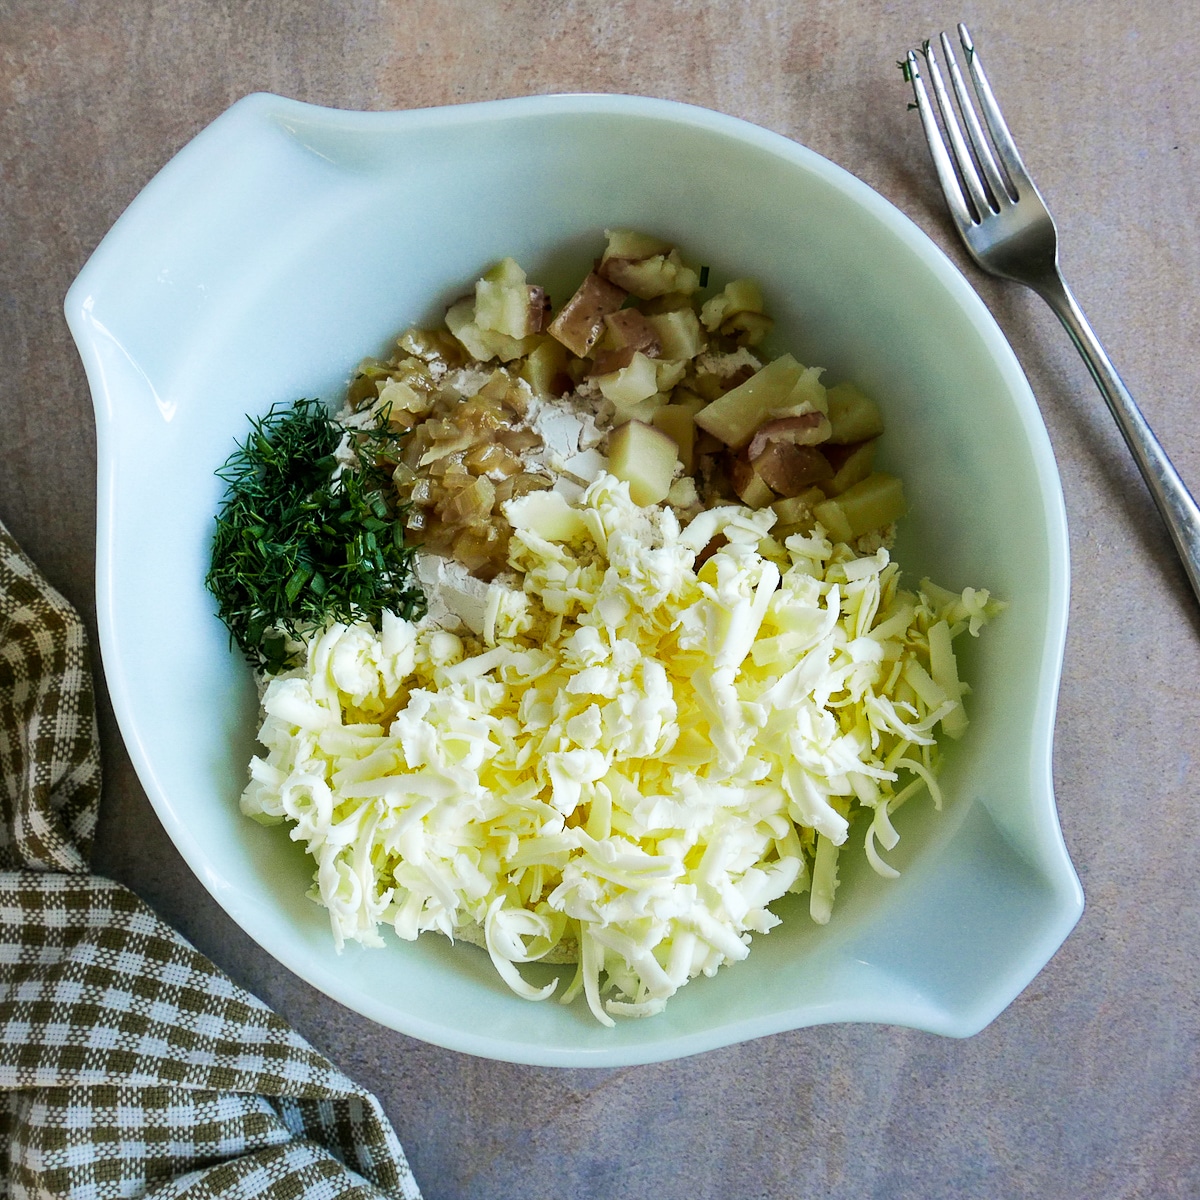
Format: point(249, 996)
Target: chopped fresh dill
point(905, 69)
point(299, 542)
point(704, 277)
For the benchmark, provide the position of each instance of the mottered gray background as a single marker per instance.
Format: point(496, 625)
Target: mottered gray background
point(1087, 1084)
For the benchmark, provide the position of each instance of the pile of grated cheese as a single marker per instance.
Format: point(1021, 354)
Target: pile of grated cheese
point(632, 759)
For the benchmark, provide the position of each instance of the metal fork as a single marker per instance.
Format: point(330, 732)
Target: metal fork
point(1009, 232)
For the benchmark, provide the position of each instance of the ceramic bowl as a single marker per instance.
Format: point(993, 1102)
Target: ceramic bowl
point(286, 242)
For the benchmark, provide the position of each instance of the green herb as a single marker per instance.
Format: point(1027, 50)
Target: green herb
point(300, 543)
point(905, 69)
point(704, 277)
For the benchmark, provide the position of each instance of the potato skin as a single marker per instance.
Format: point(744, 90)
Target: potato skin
point(580, 323)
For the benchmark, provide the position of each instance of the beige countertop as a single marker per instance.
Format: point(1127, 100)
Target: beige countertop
point(1088, 1084)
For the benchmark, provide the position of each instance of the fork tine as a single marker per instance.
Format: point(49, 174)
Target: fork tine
point(1005, 146)
point(998, 186)
point(961, 155)
point(942, 163)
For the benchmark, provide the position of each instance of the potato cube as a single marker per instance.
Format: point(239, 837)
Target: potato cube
point(545, 368)
point(679, 423)
point(752, 489)
point(735, 416)
point(851, 464)
point(871, 504)
point(807, 395)
point(629, 327)
point(669, 372)
point(854, 417)
point(643, 411)
point(460, 320)
point(689, 400)
point(629, 243)
point(790, 469)
point(806, 429)
point(581, 321)
point(738, 296)
point(793, 509)
point(679, 333)
point(631, 384)
point(747, 328)
point(650, 277)
point(667, 302)
point(503, 302)
point(483, 344)
point(645, 458)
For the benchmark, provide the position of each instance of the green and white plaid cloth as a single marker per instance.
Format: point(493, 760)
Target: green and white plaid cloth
point(129, 1064)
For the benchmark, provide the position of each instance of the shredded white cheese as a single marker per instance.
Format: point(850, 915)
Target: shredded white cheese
point(629, 759)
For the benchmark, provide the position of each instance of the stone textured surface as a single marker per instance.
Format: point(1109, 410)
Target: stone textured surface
point(1087, 1085)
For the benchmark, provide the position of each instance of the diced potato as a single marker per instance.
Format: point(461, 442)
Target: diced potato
point(503, 303)
point(688, 399)
point(747, 328)
point(757, 493)
point(608, 362)
point(679, 333)
point(789, 468)
point(460, 320)
point(735, 416)
point(650, 277)
point(854, 417)
point(545, 368)
point(628, 327)
point(683, 493)
point(643, 411)
point(738, 296)
point(645, 458)
point(629, 243)
point(669, 373)
point(806, 429)
point(678, 422)
point(795, 513)
point(873, 503)
point(579, 325)
point(483, 344)
point(737, 311)
point(667, 302)
point(808, 395)
point(708, 385)
point(851, 464)
point(631, 384)
point(752, 489)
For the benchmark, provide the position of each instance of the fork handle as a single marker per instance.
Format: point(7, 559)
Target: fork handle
point(1174, 501)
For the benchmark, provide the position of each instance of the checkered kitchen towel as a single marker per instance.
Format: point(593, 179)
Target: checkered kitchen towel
point(129, 1064)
